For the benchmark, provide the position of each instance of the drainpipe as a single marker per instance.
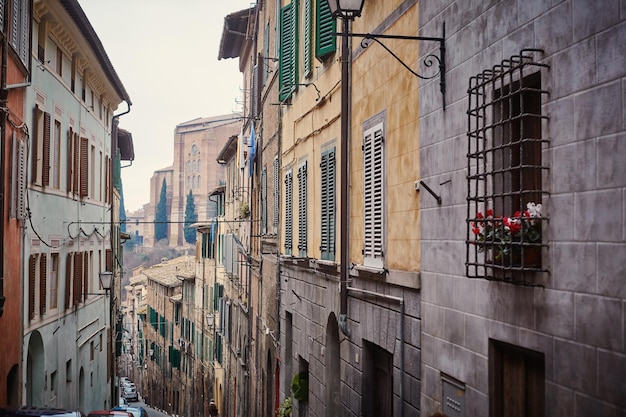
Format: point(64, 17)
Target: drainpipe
point(344, 192)
point(400, 301)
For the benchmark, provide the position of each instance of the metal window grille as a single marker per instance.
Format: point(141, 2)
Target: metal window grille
point(505, 168)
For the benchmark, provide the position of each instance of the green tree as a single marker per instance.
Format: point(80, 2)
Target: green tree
point(160, 218)
point(190, 218)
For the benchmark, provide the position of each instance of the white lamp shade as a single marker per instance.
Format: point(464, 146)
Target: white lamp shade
point(345, 8)
point(106, 279)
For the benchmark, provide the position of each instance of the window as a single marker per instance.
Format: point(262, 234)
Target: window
point(288, 212)
point(59, 62)
point(40, 162)
point(516, 381)
point(68, 281)
point(43, 284)
point(18, 176)
point(84, 167)
point(302, 209)
point(325, 42)
point(19, 29)
point(377, 381)
point(32, 285)
point(373, 192)
point(505, 170)
point(308, 35)
point(54, 277)
point(56, 155)
point(288, 56)
point(329, 205)
point(264, 201)
point(276, 194)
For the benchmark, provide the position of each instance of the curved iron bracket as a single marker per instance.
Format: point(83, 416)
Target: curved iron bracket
point(429, 60)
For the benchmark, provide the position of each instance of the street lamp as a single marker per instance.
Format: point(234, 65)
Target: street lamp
point(106, 279)
point(345, 8)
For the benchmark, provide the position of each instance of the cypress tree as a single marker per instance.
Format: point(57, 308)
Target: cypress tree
point(190, 218)
point(160, 218)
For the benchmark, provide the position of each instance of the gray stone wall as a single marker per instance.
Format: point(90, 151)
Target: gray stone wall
point(311, 299)
point(577, 319)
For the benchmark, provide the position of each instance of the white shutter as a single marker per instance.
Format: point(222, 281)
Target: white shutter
point(373, 167)
point(264, 201)
point(18, 186)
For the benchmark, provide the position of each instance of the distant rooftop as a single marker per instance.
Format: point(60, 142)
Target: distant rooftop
point(171, 273)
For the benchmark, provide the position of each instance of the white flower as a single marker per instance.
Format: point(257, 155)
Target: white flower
point(534, 210)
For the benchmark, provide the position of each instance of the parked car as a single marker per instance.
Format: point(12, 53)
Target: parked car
point(29, 411)
point(110, 413)
point(130, 394)
point(136, 411)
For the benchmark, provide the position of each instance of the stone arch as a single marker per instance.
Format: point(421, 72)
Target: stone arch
point(333, 364)
point(35, 368)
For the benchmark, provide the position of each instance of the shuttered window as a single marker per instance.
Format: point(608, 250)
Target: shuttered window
point(325, 42)
point(76, 164)
point(19, 32)
point(302, 210)
point(68, 281)
point(374, 203)
point(266, 52)
point(288, 59)
point(255, 96)
point(45, 174)
point(308, 37)
point(264, 201)
point(288, 212)
point(276, 194)
point(18, 175)
point(329, 205)
point(77, 287)
point(43, 283)
point(32, 281)
point(86, 261)
point(69, 157)
point(84, 167)
point(54, 280)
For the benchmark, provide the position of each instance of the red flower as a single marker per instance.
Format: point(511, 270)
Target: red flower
point(489, 213)
point(479, 215)
point(476, 230)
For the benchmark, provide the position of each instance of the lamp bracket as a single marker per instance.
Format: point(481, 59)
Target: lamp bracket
point(429, 60)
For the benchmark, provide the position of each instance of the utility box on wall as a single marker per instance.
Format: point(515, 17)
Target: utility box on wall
point(453, 397)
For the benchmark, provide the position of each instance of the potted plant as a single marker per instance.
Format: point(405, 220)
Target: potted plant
point(284, 410)
point(514, 240)
point(244, 210)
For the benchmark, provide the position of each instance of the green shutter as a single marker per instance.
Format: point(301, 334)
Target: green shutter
point(328, 202)
point(289, 213)
point(288, 59)
point(308, 37)
point(325, 43)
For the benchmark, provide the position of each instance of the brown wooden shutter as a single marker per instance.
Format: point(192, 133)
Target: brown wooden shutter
point(85, 275)
point(35, 145)
point(76, 163)
point(70, 157)
point(77, 270)
point(84, 167)
point(45, 174)
point(32, 267)
point(43, 283)
point(68, 281)
point(109, 260)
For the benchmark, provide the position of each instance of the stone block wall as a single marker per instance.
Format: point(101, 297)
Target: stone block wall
point(576, 319)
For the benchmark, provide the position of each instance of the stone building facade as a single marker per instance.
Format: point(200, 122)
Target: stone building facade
point(534, 114)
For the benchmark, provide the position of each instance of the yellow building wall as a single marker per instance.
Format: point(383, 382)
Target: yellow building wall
point(380, 83)
point(312, 121)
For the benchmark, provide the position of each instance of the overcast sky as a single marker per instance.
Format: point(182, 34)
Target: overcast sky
point(165, 53)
